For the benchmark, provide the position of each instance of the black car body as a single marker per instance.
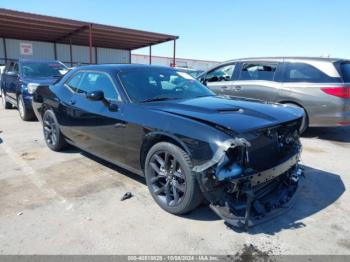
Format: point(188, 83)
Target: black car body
point(21, 77)
point(243, 155)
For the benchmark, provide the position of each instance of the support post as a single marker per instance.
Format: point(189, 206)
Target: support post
point(55, 50)
point(174, 54)
point(90, 42)
point(96, 55)
point(71, 52)
point(5, 50)
point(129, 56)
point(150, 54)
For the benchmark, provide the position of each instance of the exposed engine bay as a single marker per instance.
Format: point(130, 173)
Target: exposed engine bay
point(254, 177)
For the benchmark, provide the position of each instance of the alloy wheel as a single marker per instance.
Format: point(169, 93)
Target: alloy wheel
point(21, 107)
point(50, 130)
point(168, 182)
point(3, 99)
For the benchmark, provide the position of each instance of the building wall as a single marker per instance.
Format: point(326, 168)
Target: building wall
point(108, 55)
point(63, 53)
point(168, 61)
point(41, 50)
point(2, 54)
point(80, 54)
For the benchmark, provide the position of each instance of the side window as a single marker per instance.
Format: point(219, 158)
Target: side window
point(74, 82)
point(223, 73)
point(258, 71)
point(302, 72)
point(94, 81)
point(16, 69)
point(10, 66)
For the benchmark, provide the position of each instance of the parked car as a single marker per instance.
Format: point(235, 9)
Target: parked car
point(188, 143)
point(321, 86)
point(2, 69)
point(22, 77)
point(193, 72)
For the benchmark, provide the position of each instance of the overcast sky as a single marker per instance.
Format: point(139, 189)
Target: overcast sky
point(219, 30)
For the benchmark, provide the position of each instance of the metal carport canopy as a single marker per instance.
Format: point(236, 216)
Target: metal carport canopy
point(28, 26)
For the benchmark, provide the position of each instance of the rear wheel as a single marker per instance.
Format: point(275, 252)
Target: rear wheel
point(24, 113)
point(170, 180)
point(305, 122)
point(5, 104)
point(53, 136)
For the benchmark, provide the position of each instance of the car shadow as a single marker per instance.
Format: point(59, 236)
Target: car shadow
point(336, 134)
point(319, 190)
point(113, 167)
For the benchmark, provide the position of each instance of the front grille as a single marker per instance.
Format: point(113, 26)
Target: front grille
point(271, 146)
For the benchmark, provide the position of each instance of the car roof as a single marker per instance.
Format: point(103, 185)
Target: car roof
point(287, 58)
point(119, 67)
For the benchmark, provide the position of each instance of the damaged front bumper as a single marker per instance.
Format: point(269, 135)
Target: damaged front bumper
point(244, 197)
point(263, 201)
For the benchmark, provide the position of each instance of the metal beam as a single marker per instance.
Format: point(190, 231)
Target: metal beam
point(150, 54)
point(5, 50)
point(90, 42)
point(71, 52)
point(55, 50)
point(174, 54)
point(71, 34)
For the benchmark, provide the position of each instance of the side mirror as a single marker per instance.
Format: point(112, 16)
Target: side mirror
point(95, 96)
point(203, 80)
point(113, 107)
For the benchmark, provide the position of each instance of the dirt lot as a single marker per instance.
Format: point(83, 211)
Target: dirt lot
point(69, 203)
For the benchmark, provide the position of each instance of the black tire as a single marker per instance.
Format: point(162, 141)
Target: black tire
point(24, 113)
point(5, 104)
point(52, 133)
point(174, 186)
point(305, 124)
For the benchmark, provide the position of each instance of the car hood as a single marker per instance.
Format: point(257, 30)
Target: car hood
point(237, 115)
point(40, 80)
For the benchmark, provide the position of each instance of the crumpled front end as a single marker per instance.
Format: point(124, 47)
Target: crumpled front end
point(255, 177)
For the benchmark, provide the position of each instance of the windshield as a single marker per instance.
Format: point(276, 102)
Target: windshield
point(149, 84)
point(43, 69)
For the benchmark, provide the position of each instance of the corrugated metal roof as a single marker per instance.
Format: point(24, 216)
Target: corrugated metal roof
point(28, 26)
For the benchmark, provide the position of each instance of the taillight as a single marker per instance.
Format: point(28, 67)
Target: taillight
point(342, 92)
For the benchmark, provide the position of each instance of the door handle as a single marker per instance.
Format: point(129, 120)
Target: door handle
point(237, 88)
point(72, 102)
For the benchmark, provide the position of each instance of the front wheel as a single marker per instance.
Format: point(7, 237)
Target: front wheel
point(24, 113)
point(5, 104)
point(170, 180)
point(52, 134)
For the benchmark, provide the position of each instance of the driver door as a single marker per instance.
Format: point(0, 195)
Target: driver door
point(95, 126)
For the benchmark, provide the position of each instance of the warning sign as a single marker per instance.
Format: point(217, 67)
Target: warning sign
point(26, 48)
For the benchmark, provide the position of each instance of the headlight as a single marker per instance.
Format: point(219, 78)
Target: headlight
point(32, 87)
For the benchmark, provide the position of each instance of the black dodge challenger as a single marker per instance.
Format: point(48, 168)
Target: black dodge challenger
point(240, 155)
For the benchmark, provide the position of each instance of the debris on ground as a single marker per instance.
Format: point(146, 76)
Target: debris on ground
point(251, 253)
point(19, 213)
point(126, 196)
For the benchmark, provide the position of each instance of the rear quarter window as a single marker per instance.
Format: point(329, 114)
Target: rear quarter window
point(345, 71)
point(302, 72)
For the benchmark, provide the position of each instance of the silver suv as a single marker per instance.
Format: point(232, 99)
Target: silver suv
point(321, 86)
